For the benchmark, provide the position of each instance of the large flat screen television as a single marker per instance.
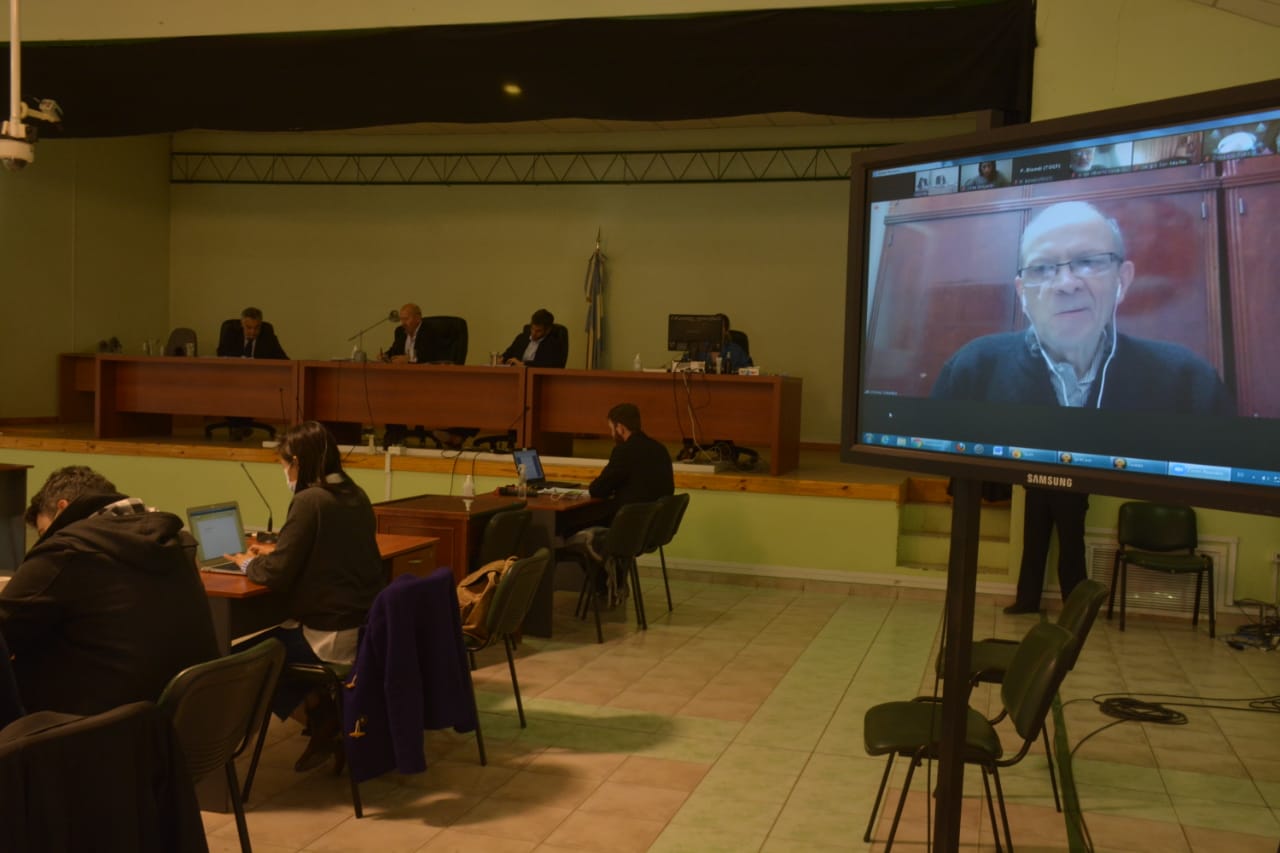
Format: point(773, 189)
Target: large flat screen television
point(1090, 303)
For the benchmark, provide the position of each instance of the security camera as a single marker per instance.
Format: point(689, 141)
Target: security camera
point(15, 152)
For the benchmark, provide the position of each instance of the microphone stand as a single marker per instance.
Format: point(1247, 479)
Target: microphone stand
point(270, 537)
point(358, 353)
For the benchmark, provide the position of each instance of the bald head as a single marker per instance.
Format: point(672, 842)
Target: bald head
point(1070, 214)
point(410, 317)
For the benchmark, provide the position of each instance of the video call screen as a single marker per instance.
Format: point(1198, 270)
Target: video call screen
point(1107, 301)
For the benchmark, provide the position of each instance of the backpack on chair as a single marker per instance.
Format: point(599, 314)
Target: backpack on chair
point(475, 596)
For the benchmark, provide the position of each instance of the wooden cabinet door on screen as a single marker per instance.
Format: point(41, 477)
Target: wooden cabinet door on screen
point(945, 278)
point(1251, 210)
point(1168, 218)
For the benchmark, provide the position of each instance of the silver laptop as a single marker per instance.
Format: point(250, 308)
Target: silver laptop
point(218, 530)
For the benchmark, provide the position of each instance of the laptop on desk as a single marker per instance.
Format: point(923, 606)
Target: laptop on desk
point(218, 530)
point(533, 473)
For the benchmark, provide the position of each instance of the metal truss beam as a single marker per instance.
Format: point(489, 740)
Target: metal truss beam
point(751, 165)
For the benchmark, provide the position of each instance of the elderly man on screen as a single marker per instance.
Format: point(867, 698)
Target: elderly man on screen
point(1073, 275)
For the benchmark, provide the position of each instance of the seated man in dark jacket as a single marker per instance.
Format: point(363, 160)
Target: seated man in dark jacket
point(250, 338)
point(538, 345)
point(107, 606)
point(639, 470)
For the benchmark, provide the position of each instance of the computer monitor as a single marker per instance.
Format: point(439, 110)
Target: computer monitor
point(981, 342)
point(694, 332)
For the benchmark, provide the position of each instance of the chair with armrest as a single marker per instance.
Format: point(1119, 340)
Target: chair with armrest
point(913, 729)
point(511, 602)
point(666, 523)
point(178, 340)
point(990, 659)
point(740, 338)
point(216, 708)
point(1160, 538)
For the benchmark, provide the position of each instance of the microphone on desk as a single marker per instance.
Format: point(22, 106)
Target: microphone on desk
point(358, 353)
point(270, 537)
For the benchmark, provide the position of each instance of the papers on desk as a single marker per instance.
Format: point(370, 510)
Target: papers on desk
point(556, 493)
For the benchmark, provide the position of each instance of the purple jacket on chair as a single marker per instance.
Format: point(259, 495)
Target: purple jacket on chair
point(411, 674)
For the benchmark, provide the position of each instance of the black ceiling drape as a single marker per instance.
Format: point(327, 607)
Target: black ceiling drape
point(842, 61)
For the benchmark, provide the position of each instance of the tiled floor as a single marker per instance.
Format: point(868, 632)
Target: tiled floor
point(735, 724)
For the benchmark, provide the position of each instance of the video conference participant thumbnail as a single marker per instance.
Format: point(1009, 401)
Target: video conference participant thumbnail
point(1072, 276)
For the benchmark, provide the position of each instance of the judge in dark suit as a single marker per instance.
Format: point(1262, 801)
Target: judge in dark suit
point(411, 344)
point(250, 338)
point(538, 345)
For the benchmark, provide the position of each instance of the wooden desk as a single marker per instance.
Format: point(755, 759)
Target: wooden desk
point(240, 606)
point(77, 386)
point(458, 523)
point(554, 521)
point(753, 411)
point(139, 395)
point(437, 395)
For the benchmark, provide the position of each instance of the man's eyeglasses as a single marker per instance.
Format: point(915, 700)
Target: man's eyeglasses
point(1038, 275)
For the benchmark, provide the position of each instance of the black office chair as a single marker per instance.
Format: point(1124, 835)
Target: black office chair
point(1160, 538)
point(507, 443)
point(178, 340)
point(503, 536)
point(111, 781)
point(624, 541)
point(446, 344)
point(740, 338)
point(217, 707)
point(666, 523)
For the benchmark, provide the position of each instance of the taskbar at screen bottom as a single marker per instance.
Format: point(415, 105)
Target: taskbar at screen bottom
point(1063, 456)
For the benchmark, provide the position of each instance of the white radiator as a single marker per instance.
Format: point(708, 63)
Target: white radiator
point(1160, 592)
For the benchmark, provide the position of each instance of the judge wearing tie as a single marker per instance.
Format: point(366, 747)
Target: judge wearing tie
point(250, 338)
point(410, 345)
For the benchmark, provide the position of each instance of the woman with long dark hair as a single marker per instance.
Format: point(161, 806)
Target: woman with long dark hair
point(326, 566)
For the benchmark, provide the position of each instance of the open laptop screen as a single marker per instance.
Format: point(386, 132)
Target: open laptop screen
point(217, 529)
point(528, 457)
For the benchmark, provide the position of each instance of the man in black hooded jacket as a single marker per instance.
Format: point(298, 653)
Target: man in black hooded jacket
point(107, 606)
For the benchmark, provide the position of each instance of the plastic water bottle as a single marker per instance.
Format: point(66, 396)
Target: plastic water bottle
point(522, 482)
point(469, 487)
point(636, 363)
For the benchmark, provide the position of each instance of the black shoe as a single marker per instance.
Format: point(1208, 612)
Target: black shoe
point(1016, 609)
point(326, 737)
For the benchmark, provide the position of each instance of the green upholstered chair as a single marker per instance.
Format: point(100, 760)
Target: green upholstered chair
point(989, 659)
point(216, 708)
point(503, 536)
point(1160, 538)
point(665, 526)
point(912, 729)
point(510, 603)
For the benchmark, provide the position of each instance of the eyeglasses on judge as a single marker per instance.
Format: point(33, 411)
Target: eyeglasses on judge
point(1038, 275)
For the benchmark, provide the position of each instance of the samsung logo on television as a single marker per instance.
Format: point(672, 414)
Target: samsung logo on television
point(1048, 480)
